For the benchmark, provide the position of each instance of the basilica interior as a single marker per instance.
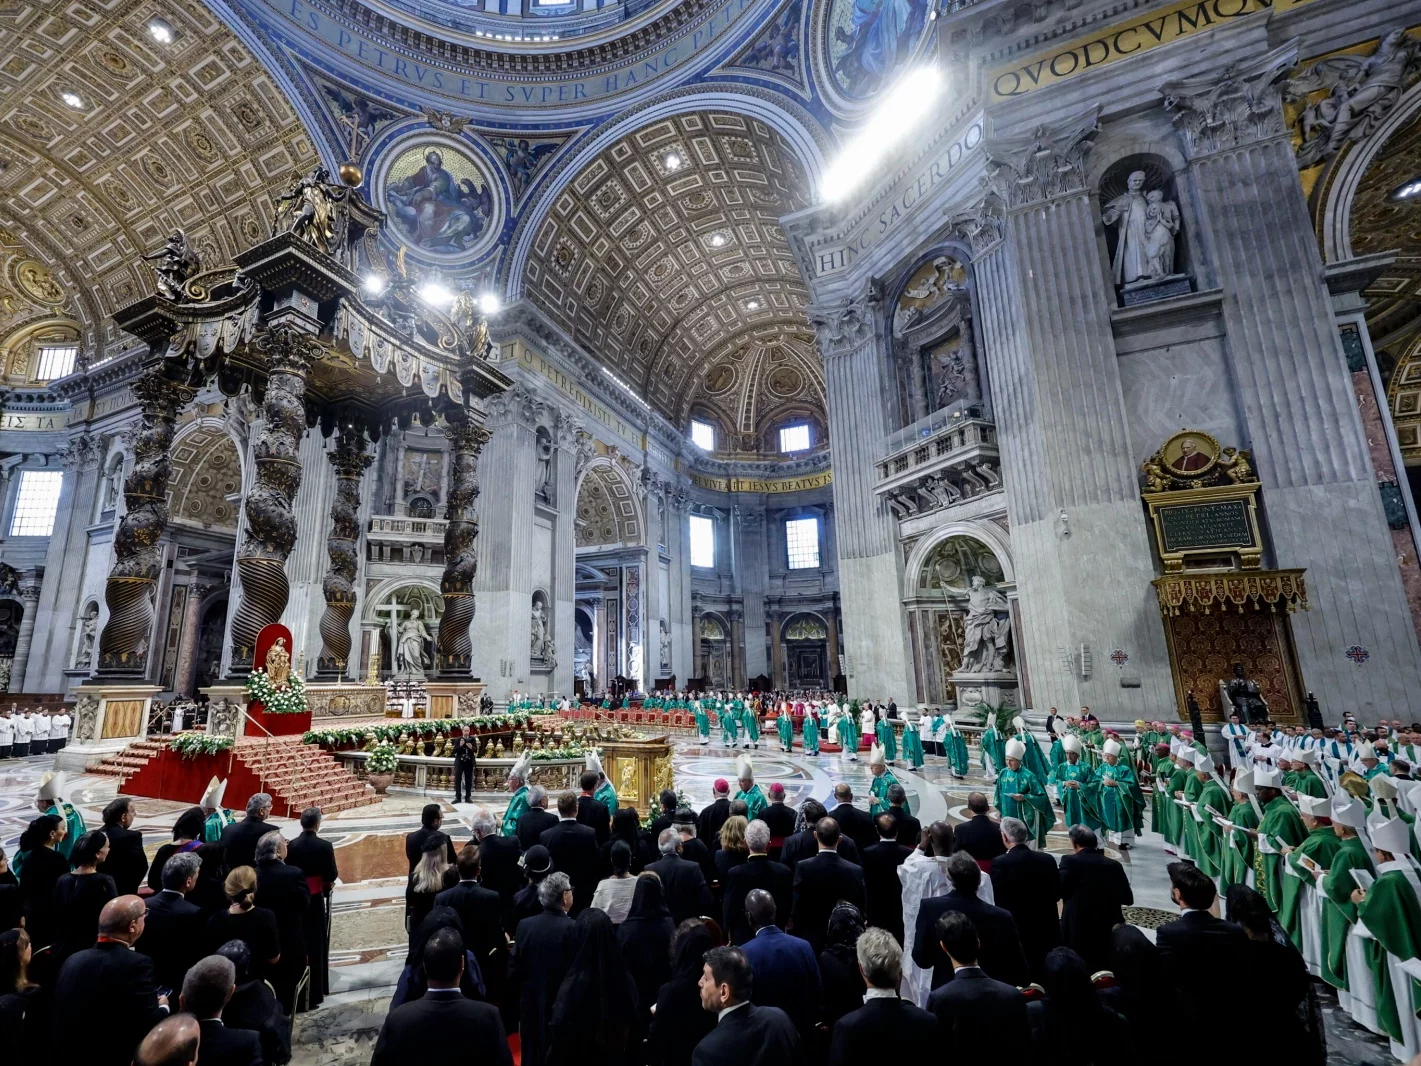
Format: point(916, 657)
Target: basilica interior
point(508, 355)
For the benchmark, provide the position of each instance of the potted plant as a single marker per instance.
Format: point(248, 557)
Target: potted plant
point(380, 768)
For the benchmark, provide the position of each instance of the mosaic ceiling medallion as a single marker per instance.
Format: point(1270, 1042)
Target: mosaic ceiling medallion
point(440, 200)
point(865, 44)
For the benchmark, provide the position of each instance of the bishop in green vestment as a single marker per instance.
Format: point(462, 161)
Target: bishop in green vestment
point(702, 721)
point(518, 803)
point(954, 744)
point(1339, 913)
point(1033, 760)
point(1238, 857)
point(784, 726)
point(1117, 795)
point(887, 739)
point(1161, 809)
point(882, 779)
point(1316, 851)
point(1391, 911)
point(1020, 794)
point(750, 792)
point(810, 728)
point(1305, 779)
point(912, 745)
point(1209, 833)
point(750, 719)
point(993, 746)
point(50, 800)
point(1280, 828)
point(1073, 779)
point(729, 724)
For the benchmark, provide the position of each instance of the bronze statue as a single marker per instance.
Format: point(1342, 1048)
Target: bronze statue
point(177, 264)
point(1247, 698)
point(310, 210)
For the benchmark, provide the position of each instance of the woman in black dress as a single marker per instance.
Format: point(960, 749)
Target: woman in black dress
point(244, 920)
point(839, 963)
point(596, 1005)
point(79, 896)
point(39, 867)
point(645, 936)
point(430, 876)
point(679, 1021)
point(733, 850)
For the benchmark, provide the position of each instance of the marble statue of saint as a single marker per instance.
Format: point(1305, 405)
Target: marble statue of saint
point(665, 647)
point(88, 626)
point(1161, 226)
point(984, 638)
point(539, 630)
point(409, 652)
point(1128, 212)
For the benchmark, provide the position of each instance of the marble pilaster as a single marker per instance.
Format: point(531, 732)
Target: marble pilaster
point(754, 570)
point(29, 597)
point(564, 590)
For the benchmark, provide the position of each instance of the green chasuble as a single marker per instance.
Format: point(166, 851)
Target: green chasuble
point(912, 745)
point(1119, 804)
point(729, 724)
point(994, 746)
point(1178, 778)
point(811, 735)
point(1307, 783)
point(754, 800)
point(702, 720)
point(784, 726)
point(750, 719)
point(516, 806)
point(607, 795)
point(1392, 913)
point(216, 822)
point(1033, 760)
point(1057, 755)
point(75, 822)
point(1320, 846)
point(849, 732)
point(1282, 825)
point(1035, 810)
point(1188, 827)
point(1211, 836)
point(1238, 854)
point(954, 748)
point(1338, 910)
point(879, 788)
point(1161, 809)
point(887, 739)
point(1073, 805)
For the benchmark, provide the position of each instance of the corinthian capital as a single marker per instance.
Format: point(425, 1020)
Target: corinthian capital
point(1049, 161)
point(843, 327)
point(1241, 106)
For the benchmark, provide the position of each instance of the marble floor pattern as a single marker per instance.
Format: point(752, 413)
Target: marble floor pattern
point(368, 935)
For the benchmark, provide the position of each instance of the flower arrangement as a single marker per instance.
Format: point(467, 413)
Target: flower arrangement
point(568, 751)
point(191, 745)
point(682, 800)
point(381, 760)
point(492, 723)
point(289, 698)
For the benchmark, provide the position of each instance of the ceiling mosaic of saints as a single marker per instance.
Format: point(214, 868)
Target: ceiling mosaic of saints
point(869, 41)
point(440, 201)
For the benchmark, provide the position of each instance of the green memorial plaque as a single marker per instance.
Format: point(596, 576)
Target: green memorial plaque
point(1194, 526)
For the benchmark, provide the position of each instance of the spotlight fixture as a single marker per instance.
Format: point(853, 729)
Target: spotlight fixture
point(161, 30)
point(672, 161)
point(72, 99)
point(1410, 189)
point(373, 284)
point(490, 304)
point(435, 294)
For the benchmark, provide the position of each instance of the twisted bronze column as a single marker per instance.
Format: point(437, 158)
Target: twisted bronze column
point(271, 523)
point(350, 460)
point(133, 582)
point(461, 562)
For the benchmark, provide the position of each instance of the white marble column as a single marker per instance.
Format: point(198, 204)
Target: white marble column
point(29, 596)
point(1320, 490)
point(852, 340)
point(1079, 537)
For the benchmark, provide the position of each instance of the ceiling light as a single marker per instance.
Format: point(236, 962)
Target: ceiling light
point(73, 99)
point(1407, 190)
point(161, 31)
point(490, 304)
point(753, 305)
point(435, 294)
point(672, 161)
point(717, 240)
point(903, 107)
point(373, 284)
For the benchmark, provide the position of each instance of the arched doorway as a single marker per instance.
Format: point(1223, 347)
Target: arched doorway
point(806, 652)
point(715, 652)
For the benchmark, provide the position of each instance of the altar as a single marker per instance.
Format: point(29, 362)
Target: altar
point(638, 769)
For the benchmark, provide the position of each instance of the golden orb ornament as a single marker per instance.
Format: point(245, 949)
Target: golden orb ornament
point(351, 174)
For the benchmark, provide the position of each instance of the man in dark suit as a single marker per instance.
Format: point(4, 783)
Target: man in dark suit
point(465, 762)
point(498, 862)
point(880, 878)
point(885, 1028)
point(591, 811)
point(785, 968)
point(316, 859)
point(1094, 888)
point(820, 883)
point(541, 956)
point(669, 803)
point(430, 821)
point(1196, 947)
point(713, 815)
point(111, 974)
point(253, 1006)
point(172, 1042)
point(172, 929)
point(979, 836)
point(573, 848)
point(779, 817)
point(1026, 883)
point(692, 847)
point(536, 820)
point(972, 1009)
point(239, 840)
point(802, 845)
point(909, 829)
point(126, 863)
point(1001, 955)
point(282, 890)
point(480, 910)
point(206, 989)
point(427, 1029)
point(758, 871)
point(683, 881)
point(853, 822)
point(745, 1034)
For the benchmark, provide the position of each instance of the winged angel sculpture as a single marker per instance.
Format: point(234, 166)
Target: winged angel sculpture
point(1362, 90)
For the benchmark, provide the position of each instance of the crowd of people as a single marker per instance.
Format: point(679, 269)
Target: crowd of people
point(227, 926)
point(32, 731)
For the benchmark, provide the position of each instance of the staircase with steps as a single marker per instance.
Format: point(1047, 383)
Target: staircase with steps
point(297, 775)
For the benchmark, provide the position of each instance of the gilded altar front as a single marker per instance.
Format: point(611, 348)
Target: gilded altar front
point(638, 769)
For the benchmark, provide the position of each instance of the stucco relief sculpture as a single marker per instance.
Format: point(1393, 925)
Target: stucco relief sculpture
point(1361, 91)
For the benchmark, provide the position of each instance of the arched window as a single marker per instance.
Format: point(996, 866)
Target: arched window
point(421, 507)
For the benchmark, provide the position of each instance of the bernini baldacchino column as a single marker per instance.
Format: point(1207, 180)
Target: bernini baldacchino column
point(1078, 533)
point(852, 340)
point(1309, 444)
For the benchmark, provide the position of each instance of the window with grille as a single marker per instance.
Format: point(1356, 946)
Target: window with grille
point(703, 435)
point(36, 503)
point(802, 540)
point(794, 438)
point(55, 361)
point(702, 541)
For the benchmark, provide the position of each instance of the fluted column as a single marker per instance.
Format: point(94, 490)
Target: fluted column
point(29, 596)
point(271, 522)
point(737, 647)
point(349, 458)
point(1309, 444)
point(852, 340)
point(831, 622)
point(754, 575)
point(777, 652)
point(1079, 538)
point(467, 438)
point(131, 591)
point(564, 590)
